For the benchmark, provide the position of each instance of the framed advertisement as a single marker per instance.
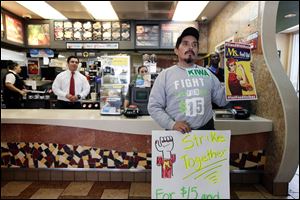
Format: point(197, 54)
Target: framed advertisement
point(171, 31)
point(147, 36)
point(33, 66)
point(38, 34)
point(14, 30)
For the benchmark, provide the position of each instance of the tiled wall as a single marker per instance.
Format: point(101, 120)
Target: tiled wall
point(59, 175)
point(56, 156)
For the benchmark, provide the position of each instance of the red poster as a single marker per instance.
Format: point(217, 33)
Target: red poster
point(33, 66)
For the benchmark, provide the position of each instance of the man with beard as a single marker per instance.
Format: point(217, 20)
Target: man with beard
point(182, 95)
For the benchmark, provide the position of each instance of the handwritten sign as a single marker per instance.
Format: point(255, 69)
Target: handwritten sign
point(190, 166)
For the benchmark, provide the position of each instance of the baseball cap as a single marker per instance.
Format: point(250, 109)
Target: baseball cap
point(188, 31)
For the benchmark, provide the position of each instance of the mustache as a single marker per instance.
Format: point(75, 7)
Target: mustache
point(190, 52)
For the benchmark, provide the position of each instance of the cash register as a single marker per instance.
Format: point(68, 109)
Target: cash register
point(140, 98)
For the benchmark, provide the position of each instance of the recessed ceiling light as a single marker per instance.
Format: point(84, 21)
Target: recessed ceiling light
point(184, 12)
point(100, 10)
point(42, 9)
point(290, 15)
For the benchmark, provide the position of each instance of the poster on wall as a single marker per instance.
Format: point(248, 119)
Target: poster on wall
point(14, 30)
point(190, 166)
point(38, 34)
point(33, 66)
point(239, 81)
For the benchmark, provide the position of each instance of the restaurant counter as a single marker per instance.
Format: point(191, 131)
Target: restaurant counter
point(72, 139)
point(143, 125)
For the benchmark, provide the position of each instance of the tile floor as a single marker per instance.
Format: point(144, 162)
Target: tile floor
point(120, 190)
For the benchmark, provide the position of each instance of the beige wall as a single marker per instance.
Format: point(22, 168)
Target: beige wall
point(283, 44)
point(237, 19)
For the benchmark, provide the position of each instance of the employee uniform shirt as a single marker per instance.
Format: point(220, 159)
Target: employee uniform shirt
point(10, 78)
point(61, 85)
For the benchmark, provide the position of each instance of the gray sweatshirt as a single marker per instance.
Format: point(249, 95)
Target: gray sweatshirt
point(185, 94)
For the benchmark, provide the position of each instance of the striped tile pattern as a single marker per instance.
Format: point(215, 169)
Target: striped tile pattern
point(44, 155)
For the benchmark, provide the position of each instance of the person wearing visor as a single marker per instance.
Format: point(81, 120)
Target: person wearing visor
point(182, 95)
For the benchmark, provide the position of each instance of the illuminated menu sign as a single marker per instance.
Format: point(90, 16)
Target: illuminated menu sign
point(14, 30)
point(171, 31)
point(38, 34)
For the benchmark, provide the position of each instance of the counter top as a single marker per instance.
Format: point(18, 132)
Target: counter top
point(142, 125)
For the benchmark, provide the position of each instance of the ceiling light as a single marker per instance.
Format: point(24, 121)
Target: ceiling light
point(188, 10)
point(290, 15)
point(42, 9)
point(100, 10)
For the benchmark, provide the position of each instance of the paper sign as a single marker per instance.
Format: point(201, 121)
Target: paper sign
point(190, 166)
point(239, 80)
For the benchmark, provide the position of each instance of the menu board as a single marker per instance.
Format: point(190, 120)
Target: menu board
point(147, 35)
point(38, 34)
point(101, 31)
point(87, 30)
point(97, 34)
point(106, 30)
point(14, 30)
point(68, 30)
point(77, 28)
point(125, 31)
point(58, 31)
point(171, 31)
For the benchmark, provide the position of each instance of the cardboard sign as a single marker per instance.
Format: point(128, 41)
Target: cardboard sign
point(190, 166)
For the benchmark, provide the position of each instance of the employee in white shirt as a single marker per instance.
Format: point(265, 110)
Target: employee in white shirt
point(13, 86)
point(70, 86)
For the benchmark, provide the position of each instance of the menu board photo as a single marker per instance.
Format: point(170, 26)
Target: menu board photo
point(171, 31)
point(87, 30)
point(147, 35)
point(125, 31)
point(38, 34)
point(14, 30)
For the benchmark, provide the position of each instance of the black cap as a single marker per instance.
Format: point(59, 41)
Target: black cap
point(188, 31)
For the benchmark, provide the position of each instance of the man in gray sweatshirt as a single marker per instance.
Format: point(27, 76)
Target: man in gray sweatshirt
point(181, 96)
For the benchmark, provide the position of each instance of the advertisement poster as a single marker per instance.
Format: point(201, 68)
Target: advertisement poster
point(190, 166)
point(239, 81)
point(147, 36)
point(171, 31)
point(33, 66)
point(38, 34)
point(14, 30)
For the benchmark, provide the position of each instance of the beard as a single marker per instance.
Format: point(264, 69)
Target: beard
point(189, 60)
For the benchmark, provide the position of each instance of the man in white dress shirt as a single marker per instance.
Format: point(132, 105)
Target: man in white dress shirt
point(68, 96)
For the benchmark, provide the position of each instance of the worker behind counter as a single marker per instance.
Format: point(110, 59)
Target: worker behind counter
point(142, 70)
point(136, 100)
point(13, 86)
point(70, 86)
